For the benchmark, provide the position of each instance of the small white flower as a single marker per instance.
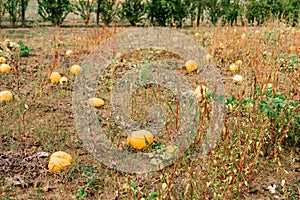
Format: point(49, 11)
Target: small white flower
point(272, 189)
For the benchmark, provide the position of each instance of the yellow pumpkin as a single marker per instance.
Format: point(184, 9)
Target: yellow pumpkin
point(96, 102)
point(239, 62)
point(238, 78)
point(75, 69)
point(200, 92)
point(6, 42)
point(190, 65)
point(2, 60)
point(233, 67)
point(69, 53)
point(6, 96)
point(55, 77)
point(4, 68)
point(63, 80)
point(59, 161)
point(140, 139)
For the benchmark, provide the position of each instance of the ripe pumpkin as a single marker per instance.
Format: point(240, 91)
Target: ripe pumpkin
point(190, 65)
point(69, 53)
point(2, 60)
point(75, 69)
point(59, 161)
point(96, 102)
point(55, 77)
point(239, 62)
point(6, 96)
point(233, 67)
point(140, 139)
point(200, 92)
point(5, 68)
point(63, 80)
point(238, 78)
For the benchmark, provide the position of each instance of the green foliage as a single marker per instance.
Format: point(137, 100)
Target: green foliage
point(24, 49)
point(108, 11)
point(231, 11)
point(291, 11)
point(214, 10)
point(165, 12)
point(54, 11)
point(2, 9)
point(84, 8)
point(14, 8)
point(283, 116)
point(132, 10)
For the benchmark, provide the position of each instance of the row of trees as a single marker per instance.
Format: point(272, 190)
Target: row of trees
point(158, 12)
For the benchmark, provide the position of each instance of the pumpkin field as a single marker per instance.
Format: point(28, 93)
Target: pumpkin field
point(256, 155)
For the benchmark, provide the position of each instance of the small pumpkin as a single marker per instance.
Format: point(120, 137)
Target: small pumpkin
point(140, 139)
point(96, 102)
point(233, 67)
point(59, 161)
point(69, 53)
point(239, 62)
point(190, 65)
point(2, 60)
point(237, 78)
point(63, 80)
point(6, 96)
point(200, 92)
point(55, 77)
point(5, 68)
point(75, 69)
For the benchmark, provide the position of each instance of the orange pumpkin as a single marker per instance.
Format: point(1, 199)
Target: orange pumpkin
point(140, 139)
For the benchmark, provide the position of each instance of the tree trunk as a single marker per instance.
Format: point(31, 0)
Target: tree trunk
point(199, 13)
point(98, 12)
point(23, 13)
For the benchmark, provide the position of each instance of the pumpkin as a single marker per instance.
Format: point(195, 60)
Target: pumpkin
point(239, 62)
point(200, 92)
point(238, 78)
point(96, 102)
point(69, 53)
point(248, 105)
point(6, 42)
point(190, 65)
point(59, 161)
point(75, 69)
point(4, 68)
point(2, 60)
point(233, 67)
point(6, 96)
point(63, 80)
point(140, 139)
point(55, 77)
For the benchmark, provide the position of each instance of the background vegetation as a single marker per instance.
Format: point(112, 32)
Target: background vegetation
point(159, 12)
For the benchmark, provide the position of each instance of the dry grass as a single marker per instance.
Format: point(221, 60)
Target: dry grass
point(250, 155)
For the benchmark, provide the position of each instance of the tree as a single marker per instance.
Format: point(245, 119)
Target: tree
point(214, 10)
point(2, 9)
point(24, 5)
point(132, 10)
point(231, 11)
point(54, 11)
point(166, 12)
point(84, 8)
point(13, 7)
point(108, 11)
point(98, 11)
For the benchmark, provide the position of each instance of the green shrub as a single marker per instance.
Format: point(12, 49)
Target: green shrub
point(54, 11)
point(84, 8)
point(108, 11)
point(132, 10)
